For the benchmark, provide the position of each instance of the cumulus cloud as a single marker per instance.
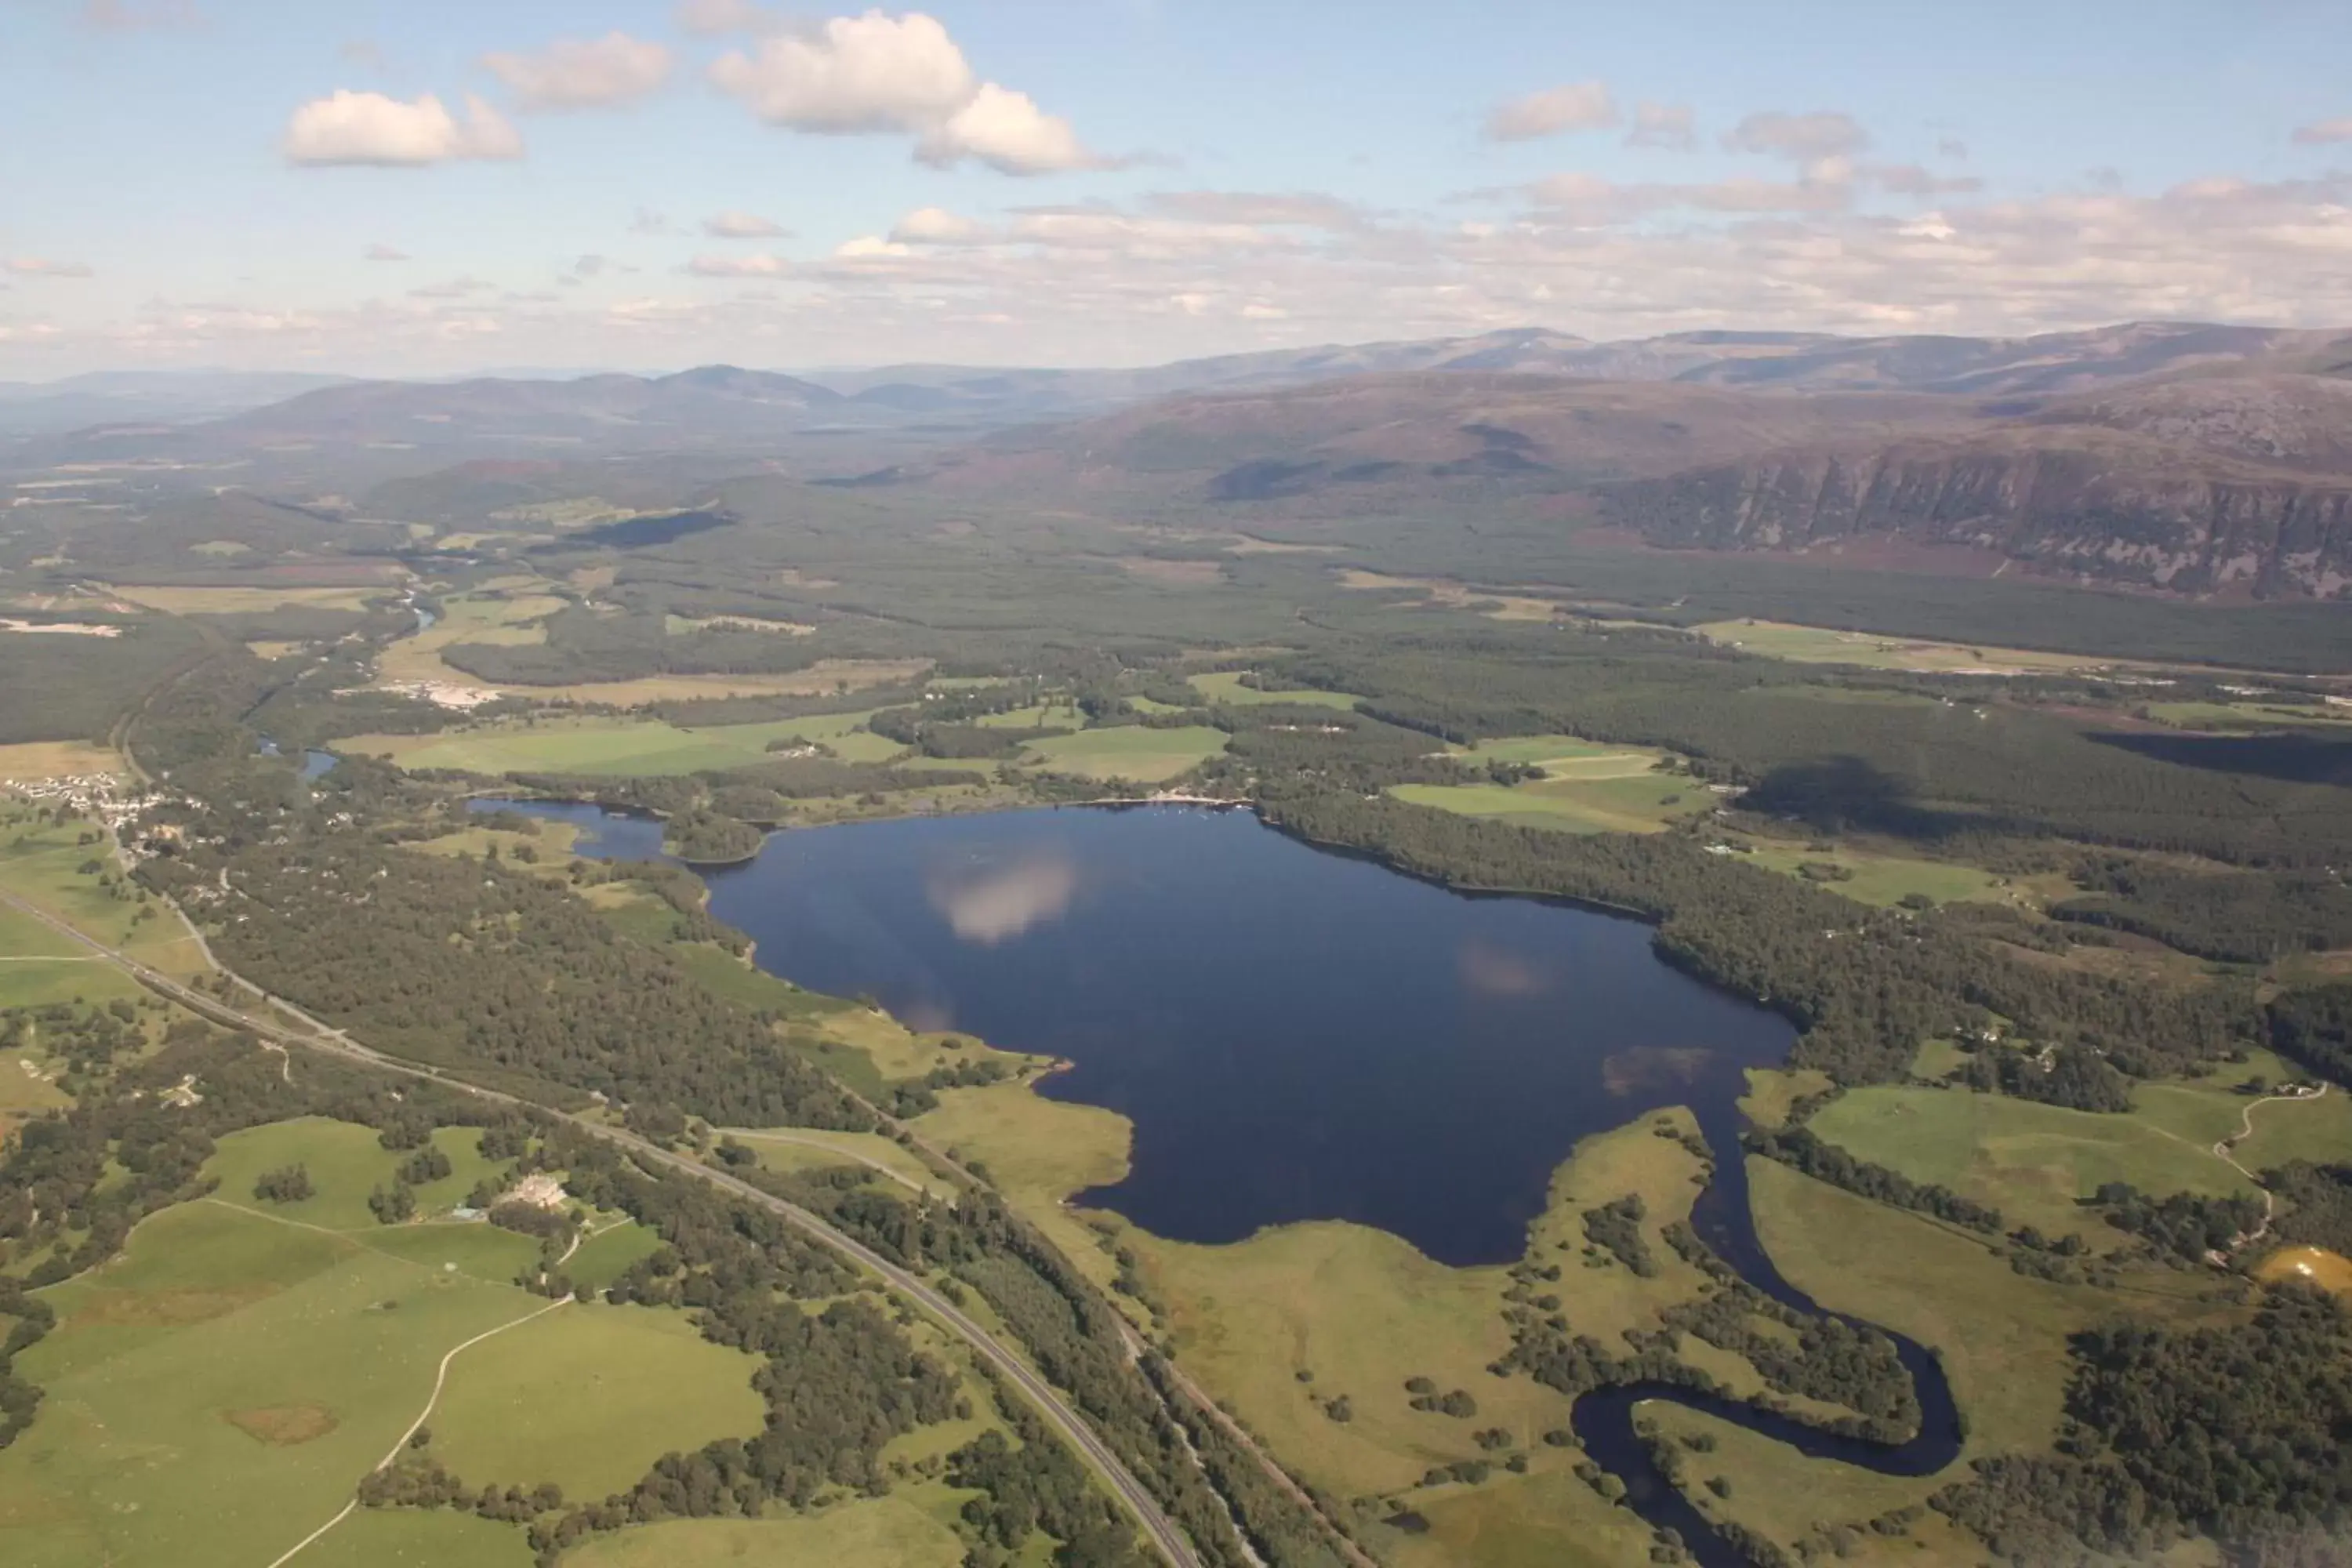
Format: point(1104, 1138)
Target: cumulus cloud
point(1007, 132)
point(742, 226)
point(1578, 106)
point(584, 73)
point(876, 74)
point(2322, 132)
point(369, 128)
point(1590, 199)
point(1803, 137)
point(43, 267)
point(1666, 126)
point(936, 225)
point(739, 266)
point(854, 74)
point(382, 252)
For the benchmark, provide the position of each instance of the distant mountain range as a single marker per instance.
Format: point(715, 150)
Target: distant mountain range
point(2174, 455)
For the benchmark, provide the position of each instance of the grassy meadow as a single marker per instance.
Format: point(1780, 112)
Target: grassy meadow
point(1885, 879)
point(1586, 787)
point(1128, 752)
point(619, 747)
point(1226, 687)
point(1869, 650)
point(878, 1532)
point(2034, 1163)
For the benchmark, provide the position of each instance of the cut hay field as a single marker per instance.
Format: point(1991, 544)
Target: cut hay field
point(1128, 752)
point(216, 1392)
point(490, 615)
point(1885, 881)
point(871, 1532)
point(619, 747)
point(1226, 687)
point(248, 601)
point(1818, 644)
point(32, 761)
point(2031, 1162)
point(1586, 788)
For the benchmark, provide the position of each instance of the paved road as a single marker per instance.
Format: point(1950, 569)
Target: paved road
point(1162, 1530)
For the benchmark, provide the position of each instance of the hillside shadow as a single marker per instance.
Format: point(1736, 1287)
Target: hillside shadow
point(2293, 759)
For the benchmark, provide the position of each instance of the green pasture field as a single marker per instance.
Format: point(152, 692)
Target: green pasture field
point(1547, 1519)
point(1885, 881)
point(637, 748)
point(2031, 1162)
point(1128, 752)
point(809, 1148)
point(1226, 687)
point(589, 1397)
point(1871, 650)
point(870, 1532)
point(271, 1365)
point(1044, 716)
point(609, 1253)
point(346, 1163)
point(419, 1538)
point(41, 863)
point(1647, 802)
point(2249, 715)
point(275, 1357)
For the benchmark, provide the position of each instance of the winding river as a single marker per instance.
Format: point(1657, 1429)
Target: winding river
point(1296, 1035)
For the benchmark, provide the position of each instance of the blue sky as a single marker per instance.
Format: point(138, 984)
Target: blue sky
point(1101, 181)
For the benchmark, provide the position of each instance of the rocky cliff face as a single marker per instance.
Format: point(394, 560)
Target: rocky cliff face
point(2129, 510)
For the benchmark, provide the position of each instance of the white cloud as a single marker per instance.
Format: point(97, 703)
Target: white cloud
point(43, 267)
point(451, 289)
point(877, 74)
point(368, 128)
point(739, 266)
point(1666, 126)
point(936, 225)
point(1578, 106)
point(2321, 132)
point(742, 226)
point(1007, 132)
point(1803, 137)
point(382, 252)
point(854, 74)
point(866, 247)
point(584, 73)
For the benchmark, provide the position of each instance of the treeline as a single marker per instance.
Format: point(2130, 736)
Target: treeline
point(2231, 1433)
point(1864, 987)
point(1846, 750)
point(1801, 1149)
point(2182, 1227)
point(1076, 1339)
point(476, 966)
point(2235, 917)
